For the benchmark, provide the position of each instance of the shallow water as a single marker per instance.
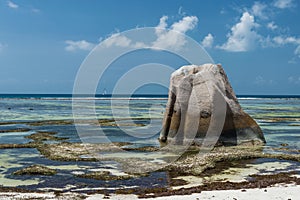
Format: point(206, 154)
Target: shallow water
point(279, 119)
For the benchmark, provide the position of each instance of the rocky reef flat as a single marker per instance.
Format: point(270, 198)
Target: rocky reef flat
point(49, 164)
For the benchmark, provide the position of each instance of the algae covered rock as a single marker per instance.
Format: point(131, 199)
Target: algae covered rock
point(203, 107)
point(36, 170)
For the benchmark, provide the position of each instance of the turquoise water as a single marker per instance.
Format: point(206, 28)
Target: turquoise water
point(279, 118)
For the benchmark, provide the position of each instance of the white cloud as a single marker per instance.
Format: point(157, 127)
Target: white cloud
point(186, 24)
point(117, 40)
point(12, 5)
point(180, 12)
point(282, 4)
point(245, 35)
point(161, 27)
point(165, 37)
point(272, 26)
point(173, 37)
point(281, 41)
point(258, 10)
point(78, 45)
point(208, 41)
point(242, 37)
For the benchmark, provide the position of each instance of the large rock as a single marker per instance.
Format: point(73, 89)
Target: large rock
point(203, 108)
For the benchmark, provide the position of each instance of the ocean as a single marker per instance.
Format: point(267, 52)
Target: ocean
point(278, 116)
point(22, 115)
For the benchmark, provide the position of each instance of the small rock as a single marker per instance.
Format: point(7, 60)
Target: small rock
point(284, 144)
point(36, 170)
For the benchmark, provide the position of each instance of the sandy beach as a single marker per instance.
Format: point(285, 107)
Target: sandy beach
point(278, 192)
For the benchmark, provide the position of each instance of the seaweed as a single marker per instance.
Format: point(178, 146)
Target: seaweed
point(35, 170)
point(104, 175)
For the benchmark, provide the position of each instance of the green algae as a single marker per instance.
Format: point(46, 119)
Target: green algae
point(66, 151)
point(45, 136)
point(49, 122)
point(14, 146)
point(197, 164)
point(104, 175)
point(258, 181)
point(15, 130)
point(144, 149)
point(190, 163)
point(35, 170)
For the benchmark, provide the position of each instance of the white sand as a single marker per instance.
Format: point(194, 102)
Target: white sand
point(278, 192)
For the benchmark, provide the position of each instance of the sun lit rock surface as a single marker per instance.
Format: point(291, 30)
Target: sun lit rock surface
point(202, 107)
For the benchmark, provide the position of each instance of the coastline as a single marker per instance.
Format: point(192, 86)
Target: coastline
point(51, 142)
point(274, 192)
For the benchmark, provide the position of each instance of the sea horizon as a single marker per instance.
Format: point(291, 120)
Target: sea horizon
point(68, 95)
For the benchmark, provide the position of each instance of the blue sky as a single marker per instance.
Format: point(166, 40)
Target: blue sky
point(43, 43)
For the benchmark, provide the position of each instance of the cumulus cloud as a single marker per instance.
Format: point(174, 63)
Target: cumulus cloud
point(12, 5)
point(282, 4)
point(243, 36)
point(258, 10)
point(186, 24)
point(281, 40)
point(78, 45)
point(165, 37)
point(208, 41)
point(117, 40)
point(161, 27)
point(173, 37)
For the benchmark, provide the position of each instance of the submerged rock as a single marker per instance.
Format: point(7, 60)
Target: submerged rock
point(202, 107)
